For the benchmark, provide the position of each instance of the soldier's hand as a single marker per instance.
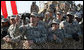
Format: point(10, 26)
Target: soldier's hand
point(26, 43)
point(8, 40)
point(4, 38)
point(54, 36)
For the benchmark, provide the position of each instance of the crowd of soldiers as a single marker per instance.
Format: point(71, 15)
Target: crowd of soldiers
point(41, 28)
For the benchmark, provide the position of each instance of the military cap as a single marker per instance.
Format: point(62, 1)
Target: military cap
point(12, 17)
point(4, 20)
point(55, 21)
point(34, 14)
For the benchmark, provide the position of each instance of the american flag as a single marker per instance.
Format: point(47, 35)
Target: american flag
point(7, 6)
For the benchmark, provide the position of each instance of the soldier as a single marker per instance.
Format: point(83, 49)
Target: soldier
point(4, 27)
point(34, 7)
point(15, 35)
point(78, 16)
point(69, 27)
point(48, 18)
point(34, 33)
point(59, 16)
point(55, 34)
point(52, 10)
point(78, 25)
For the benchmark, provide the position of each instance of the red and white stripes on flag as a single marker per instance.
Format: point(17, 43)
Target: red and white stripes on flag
point(8, 6)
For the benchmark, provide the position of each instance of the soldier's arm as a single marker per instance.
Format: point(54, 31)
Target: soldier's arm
point(16, 39)
point(43, 37)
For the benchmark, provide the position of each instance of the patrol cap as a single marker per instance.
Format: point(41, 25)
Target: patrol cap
point(55, 21)
point(12, 17)
point(34, 14)
point(4, 20)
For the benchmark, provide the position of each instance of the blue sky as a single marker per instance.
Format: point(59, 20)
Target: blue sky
point(24, 6)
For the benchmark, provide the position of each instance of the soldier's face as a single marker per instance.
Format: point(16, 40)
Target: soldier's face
point(55, 26)
point(67, 19)
point(46, 16)
point(59, 16)
point(51, 14)
point(12, 21)
point(17, 19)
point(2, 24)
point(33, 19)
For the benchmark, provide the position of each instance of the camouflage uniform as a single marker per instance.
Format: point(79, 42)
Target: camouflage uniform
point(78, 24)
point(76, 27)
point(43, 23)
point(70, 28)
point(66, 29)
point(37, 34)
point(59, 35)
